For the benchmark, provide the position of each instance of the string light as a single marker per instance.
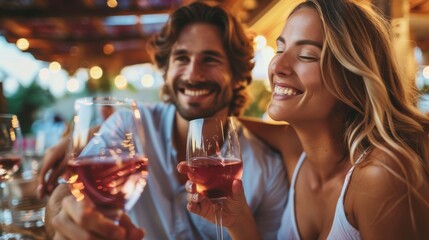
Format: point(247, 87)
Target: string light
point(96, 72)
point(22, 44)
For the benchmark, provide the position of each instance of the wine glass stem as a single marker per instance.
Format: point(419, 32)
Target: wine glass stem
point(3, 210)
point(218, 208)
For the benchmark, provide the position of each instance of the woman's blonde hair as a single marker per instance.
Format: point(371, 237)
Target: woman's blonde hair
point(359, 67)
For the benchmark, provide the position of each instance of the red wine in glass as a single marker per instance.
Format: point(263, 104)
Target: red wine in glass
point(214, 176)
point(8, 166)
point(108, 182)
point(214, 160)
point(106, 160)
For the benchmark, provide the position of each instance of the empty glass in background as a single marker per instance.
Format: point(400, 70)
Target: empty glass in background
point(11, 155)
point(27, 211)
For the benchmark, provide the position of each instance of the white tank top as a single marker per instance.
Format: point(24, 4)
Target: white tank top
point(341, 228)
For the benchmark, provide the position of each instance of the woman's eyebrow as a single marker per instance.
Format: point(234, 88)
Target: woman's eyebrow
point(302, 42)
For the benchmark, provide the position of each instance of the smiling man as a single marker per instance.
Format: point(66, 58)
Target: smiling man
point(207, 61)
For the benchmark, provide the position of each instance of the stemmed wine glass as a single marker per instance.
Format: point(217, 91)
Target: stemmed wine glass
point(106, 161)
point(11, 155)
point(214, 160)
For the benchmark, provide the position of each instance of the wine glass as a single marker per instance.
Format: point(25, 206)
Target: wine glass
point(11, 155)
point(214, 160)
point(106, 161)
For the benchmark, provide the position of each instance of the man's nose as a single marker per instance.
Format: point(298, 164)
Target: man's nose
point(194, 72)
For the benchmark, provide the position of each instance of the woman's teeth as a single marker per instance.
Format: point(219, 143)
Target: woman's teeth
point(285, 91)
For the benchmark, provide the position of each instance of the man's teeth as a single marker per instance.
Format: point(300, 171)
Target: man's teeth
point(285, 91)
point(195, 93)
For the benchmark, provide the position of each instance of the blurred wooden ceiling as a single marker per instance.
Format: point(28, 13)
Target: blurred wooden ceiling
point(83, 33)
point(113, 33)
point(419, 23)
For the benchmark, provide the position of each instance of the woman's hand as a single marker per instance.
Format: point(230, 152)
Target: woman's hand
point(236, 216)
point(234, 207)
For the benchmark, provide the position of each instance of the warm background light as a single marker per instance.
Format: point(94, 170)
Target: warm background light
point(147, 80)
point(96, 72)
point(121, 82)
point(426, 72)
point(72, 85)
point(112, 3)
point(54, 67)
point(22, 44)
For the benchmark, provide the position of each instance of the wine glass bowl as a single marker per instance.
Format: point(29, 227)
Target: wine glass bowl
point(11, 155)
point(10, 146)
point(106, 161)
point(214, 176)
point(214, 160)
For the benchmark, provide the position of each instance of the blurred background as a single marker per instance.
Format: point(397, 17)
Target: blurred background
point(54, 51)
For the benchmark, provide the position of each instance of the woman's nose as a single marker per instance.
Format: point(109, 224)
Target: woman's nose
point(281, 64)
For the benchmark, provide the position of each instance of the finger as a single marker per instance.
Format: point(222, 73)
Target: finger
point(238, 199)
point(194, 207)
point(190, 187)
point(58, 236)
point(53, 155)
point(182, 167)
point(237, 189)
point(84, 214)
point(52, 181)
point(132, 231)
point(194, 197)
point(204, 208)
point(65, 228)
point(53, 158)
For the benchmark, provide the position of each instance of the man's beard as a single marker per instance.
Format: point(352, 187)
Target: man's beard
point(222, 100)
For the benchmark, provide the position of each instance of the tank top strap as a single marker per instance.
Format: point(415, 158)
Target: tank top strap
point(349, 173)
point(363, 155)
point(297, 168)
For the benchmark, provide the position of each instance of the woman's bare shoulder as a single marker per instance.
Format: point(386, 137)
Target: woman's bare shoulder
point(383, 196)
point(380, 174)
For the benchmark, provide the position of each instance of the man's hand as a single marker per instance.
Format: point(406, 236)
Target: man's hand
point(81, 220)
point(53, 166)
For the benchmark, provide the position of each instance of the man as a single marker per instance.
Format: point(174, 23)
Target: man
point(207, 61)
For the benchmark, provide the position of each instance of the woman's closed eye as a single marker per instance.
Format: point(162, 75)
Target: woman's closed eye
point(308, 58)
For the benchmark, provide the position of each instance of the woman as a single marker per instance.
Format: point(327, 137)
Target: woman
point(364, 170)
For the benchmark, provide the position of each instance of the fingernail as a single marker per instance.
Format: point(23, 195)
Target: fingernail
point(188, 186)
point(40, 193)
point(195, 197)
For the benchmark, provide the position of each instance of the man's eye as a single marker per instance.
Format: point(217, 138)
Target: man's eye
point(210, 59)
point(181, 58)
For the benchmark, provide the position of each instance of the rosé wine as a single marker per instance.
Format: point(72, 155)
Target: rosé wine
point(214, 176)
point(108, 182)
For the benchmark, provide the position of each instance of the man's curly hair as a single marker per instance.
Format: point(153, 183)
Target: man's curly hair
point(238, 47)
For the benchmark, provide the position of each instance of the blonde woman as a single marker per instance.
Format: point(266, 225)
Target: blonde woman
point(364, 171)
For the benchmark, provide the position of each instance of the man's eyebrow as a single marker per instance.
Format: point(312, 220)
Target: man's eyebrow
point(179, 52)
point(302, 42)
point(213, 53)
